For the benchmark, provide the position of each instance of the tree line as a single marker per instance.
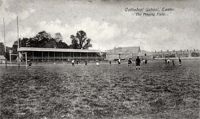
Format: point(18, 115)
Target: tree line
point(45, 40)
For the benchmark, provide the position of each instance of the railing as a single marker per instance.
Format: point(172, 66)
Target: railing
point(64, 58)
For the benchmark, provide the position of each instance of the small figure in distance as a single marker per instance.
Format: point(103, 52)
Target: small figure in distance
point(173, 62)
point(77, 62)
point(145, 61)
point(110, 62)
point(179, 60)
point(97, 63)
point(165, 61)
point(129, 62)
point(168, 61)
point(30, 64)
point(72, 62)
point(119, 61)
point(137, 62)
point(85, 62)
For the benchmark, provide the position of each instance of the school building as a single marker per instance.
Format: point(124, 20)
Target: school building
point(175, 54)
point(58, 54)
point(123, 53)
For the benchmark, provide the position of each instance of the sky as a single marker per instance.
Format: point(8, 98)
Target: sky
point(109, 23)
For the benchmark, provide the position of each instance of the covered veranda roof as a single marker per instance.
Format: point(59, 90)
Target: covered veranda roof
point(25, 49)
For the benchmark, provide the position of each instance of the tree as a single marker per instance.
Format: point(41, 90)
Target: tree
point(87, 44)
point(58, 37)
point(74, 43)
point(43, 40)
point(24, 42)
point(2, 48)
point(43, 35)
point(80, 41)
point(81, 36)
point(51, 43)
point(61, 44)
point(14, 47)
point(195, 54)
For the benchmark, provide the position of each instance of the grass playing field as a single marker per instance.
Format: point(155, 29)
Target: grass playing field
point(61, 91)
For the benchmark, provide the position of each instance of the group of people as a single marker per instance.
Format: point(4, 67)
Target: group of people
point(167, 61)
point(85, 62)
point(77, 62)
point(137, 62)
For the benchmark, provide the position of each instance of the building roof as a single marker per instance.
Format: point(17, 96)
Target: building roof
point(56, 50)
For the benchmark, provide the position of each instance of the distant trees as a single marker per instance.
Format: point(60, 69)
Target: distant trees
point(195, 54)
point(5, 54)
point(58, 37)
point(2, 49)
point(80, 41)
point(45, 40)
point(74, 43)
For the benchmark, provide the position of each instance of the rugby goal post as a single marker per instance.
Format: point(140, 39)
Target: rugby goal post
point(10, 55)
point(19, 57)
point(26, 59)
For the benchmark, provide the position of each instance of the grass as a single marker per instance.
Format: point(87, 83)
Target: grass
point(108, 92)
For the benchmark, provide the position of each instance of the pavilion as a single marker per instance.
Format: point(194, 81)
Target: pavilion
point(58, 54)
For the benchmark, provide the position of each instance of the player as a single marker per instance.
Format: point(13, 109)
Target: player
point(129, 62)
point(137, 62)
point(179, 60)
point(72, 62)
point(119, 61)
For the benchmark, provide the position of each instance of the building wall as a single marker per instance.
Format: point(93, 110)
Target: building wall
point(184, 53)
point(122, 53)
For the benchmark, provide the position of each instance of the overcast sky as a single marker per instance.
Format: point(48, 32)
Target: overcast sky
point(106, 22)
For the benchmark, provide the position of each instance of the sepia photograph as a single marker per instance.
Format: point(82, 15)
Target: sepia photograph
point(99, 59)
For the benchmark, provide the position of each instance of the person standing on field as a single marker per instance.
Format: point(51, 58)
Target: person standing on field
point(173, 62)
point(165, 61)
point(137, 62)
point(129, 62)
point(72, 62)
point(97, 63)
point(110, 62)
point(145, 60)
point(179, 59)
point(119, 61)
point(168, 61)
point(85, 62)
point(30, 64)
